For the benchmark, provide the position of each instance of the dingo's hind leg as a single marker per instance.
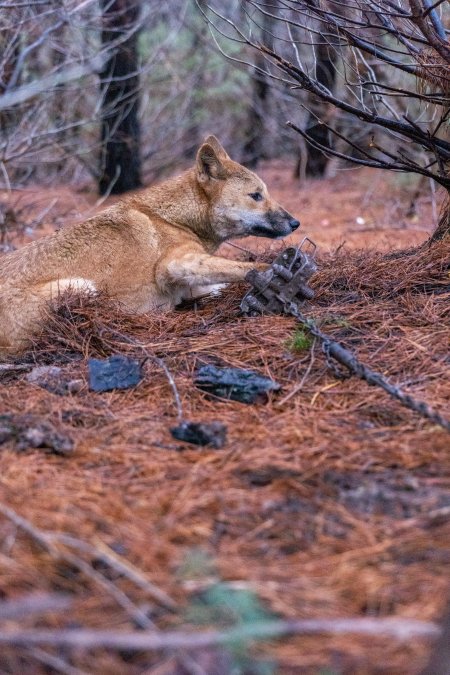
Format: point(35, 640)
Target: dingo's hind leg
point(23, 310)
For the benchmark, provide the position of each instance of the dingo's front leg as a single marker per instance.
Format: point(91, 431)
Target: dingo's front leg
point(201, 269)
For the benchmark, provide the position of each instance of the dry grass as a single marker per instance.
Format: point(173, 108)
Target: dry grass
point(328, 505)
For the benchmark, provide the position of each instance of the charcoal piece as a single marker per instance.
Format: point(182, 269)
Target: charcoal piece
point(201, 433)
point(237, 384)
point(30, 432)
point(116, 372)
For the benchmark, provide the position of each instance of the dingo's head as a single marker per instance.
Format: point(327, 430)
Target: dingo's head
point(239, 203)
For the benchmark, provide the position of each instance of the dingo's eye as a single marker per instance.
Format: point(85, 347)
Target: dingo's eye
point(257, 196)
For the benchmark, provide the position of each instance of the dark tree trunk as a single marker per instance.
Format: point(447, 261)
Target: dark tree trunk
point(193, 136)
point(253, 147)
point(316, 162)
point(120, 162)
point(9, 50)
point(253, 151)
point(443, 229)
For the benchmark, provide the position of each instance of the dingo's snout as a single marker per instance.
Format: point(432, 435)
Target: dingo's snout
point(276, 224)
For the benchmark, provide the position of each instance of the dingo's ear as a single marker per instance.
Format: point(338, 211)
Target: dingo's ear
point(218, 147)
point(210, 158)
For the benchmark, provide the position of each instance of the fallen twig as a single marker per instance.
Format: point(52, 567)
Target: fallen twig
point(11, 610)
point(55, 662)
point(102, 552)
point(334, 350)
point(6, 368)
point(392, 627)
point(50, 541)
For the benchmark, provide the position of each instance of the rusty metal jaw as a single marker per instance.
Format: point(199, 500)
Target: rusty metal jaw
point(283, 283)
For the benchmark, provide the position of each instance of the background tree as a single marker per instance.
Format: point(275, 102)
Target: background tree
point(254, 145)
point(120, 160)
point(326, 75)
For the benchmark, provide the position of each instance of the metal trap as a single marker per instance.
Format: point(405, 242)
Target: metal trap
point(284, 282)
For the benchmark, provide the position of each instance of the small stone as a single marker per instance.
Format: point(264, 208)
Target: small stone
point(29, 431)
point(74, 386)
point(201, 433)
point(47, 377)
point(46, 437)
point(53, 379)
point(5, 433)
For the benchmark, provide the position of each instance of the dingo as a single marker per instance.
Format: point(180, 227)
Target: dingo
point(149, 251)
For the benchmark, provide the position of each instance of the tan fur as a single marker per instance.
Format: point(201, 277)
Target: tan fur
point(148, 251)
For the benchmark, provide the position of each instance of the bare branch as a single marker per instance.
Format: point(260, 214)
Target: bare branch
point(11, 610)
point(390, 627)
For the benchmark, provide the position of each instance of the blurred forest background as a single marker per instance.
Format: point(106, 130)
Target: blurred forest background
point(118, 93)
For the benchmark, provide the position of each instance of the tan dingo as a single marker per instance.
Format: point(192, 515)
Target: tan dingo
point(148, 251)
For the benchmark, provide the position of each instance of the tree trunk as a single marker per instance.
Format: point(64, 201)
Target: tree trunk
point(252, 151)
point(120, 162)
point(316, 162)
point(192, 136)
point(9, 55)
point(443, 228)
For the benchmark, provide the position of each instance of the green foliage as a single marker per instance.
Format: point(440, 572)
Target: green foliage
point(226, 607)
point(300, 341)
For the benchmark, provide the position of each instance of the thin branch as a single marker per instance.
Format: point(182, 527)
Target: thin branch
point(370, 117)
point(49, 542)
point(432, 35)
point(55, 662)
point(102, 552)
point(50, 82)
point(433, 7)
point(396, 165)
point(437, 23)
point(10, 610)
point(391, 627)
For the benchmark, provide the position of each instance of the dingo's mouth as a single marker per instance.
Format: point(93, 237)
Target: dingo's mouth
point(262, 231)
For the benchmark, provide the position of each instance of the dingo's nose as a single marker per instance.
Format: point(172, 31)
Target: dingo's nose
point(294, 224)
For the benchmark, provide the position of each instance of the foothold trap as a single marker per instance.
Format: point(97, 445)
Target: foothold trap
point(284, 282)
